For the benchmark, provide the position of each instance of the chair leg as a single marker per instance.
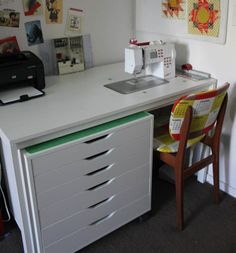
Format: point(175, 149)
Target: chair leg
point(216, 179)
point(179, 198)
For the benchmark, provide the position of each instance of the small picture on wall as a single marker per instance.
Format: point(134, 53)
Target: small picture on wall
point(34, 33)
point(9, 18)
point(9, 45)
point(204, 17)
point(54, 11)
point(32, 7)
point(74, 19)
point(174, 9)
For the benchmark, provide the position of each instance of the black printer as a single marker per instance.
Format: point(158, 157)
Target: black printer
point(23, 68)
point(20, 70)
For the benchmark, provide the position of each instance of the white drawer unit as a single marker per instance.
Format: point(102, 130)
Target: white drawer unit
point(86, 184)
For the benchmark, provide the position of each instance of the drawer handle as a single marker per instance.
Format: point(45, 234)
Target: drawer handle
point(98, 138)
point(99, 154)
point(99, 170)
point(101, 202)
point(100, 185)
point(102, 219)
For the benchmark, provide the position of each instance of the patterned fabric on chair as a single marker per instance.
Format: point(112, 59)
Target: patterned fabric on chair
point(206, 106)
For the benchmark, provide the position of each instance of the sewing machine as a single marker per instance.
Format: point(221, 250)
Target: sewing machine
point(156, 58)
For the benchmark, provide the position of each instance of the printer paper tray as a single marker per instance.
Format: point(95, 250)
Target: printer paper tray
point(19, 95)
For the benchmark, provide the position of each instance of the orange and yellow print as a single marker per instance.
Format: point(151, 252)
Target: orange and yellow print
point(173, 8)
point(204, 17)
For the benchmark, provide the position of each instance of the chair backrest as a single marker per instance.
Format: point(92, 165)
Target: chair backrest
point(205, 105)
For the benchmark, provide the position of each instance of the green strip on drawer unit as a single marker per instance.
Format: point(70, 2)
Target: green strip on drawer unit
point(84, 133)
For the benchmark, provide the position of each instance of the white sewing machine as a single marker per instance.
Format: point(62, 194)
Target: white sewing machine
point(156, 58)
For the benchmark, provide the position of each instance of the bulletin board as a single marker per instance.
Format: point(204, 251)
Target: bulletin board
point(99, 19)
point(150, 19)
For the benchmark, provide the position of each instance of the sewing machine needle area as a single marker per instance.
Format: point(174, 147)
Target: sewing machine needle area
point(136, 84)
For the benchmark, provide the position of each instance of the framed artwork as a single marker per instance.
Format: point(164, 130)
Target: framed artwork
point(205, 20)
point(204, 17)
point(174, 9)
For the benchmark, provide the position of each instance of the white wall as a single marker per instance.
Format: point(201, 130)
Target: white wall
point(219, 60)
point(110, 23)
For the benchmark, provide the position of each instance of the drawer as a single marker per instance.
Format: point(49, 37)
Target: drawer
point(83, 200)
point(86, 184)
point(83, 183)
point(88, 147)
point(117, 160)
point(107, 224)
point(94, 213)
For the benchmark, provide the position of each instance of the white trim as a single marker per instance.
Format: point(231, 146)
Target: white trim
point(223, 186)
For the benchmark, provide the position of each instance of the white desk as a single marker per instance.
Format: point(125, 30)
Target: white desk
point(72, 103)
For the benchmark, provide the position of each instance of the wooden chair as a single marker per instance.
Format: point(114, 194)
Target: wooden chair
point(192, 117)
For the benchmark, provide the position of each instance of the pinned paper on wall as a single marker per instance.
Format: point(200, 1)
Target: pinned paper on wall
point(9, 18)
point(74, 21)
point(174, 9)
point(34, 32)
point(9, 45)
point(32, 7)
point(204, 17)
point(54, 11)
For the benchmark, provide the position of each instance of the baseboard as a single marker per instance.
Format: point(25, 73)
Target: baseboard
point(223, 186)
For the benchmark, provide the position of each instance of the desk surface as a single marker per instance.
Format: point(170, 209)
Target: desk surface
point(81, 99)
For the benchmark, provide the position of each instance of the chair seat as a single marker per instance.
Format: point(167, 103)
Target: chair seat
point(163, 142)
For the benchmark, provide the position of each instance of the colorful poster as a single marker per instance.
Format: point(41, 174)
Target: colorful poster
point(204, 17)
point(54, 11)
point(9, 18)
point(34, 32)
point(9, 45)
point(32, 7)
point(174, 9)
